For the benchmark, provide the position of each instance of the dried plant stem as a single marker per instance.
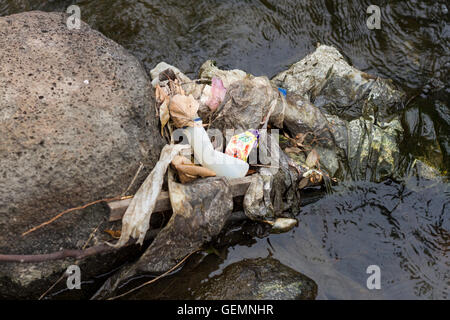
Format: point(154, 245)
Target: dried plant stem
point(155, 279)
point(91, 236)
point(67, 253)
point(62, 254)
point(134, 179)
point(59, 215)
point(62, 276)
point(52, 286)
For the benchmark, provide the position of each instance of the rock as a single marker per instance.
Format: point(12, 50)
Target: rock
point(257, 279)
point(77, 118)
point(249, 279)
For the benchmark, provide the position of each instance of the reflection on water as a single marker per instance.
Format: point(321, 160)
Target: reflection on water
point(404, 231)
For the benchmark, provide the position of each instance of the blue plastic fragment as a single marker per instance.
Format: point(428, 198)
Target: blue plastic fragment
point(283, 91)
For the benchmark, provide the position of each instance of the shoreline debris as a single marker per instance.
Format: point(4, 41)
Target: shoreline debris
point(136, 220)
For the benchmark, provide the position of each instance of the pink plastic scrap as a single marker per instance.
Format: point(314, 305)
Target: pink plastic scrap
point(218, 92)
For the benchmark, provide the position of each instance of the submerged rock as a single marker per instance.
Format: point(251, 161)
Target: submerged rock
point(257, 279)
point(76, 119)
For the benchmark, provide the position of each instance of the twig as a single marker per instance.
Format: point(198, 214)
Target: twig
point(263, 165)
point(91, 235)
point(67, 253)
point(157, 278)
point(59, 215)
point(133, 180)
point(195, 81)
point(411, 99)
point(52, 286)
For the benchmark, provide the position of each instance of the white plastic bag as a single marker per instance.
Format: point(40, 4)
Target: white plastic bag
point(136, 220)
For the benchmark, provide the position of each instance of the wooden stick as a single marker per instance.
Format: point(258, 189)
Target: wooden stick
point(238, 188)
point(134, 179)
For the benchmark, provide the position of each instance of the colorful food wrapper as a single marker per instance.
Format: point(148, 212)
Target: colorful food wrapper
point(241, 144)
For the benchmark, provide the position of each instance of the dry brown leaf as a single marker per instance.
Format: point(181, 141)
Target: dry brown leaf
point(180, 160)
point(183, 110)
point(164, 115)
point(313, 158)
point(188, 171)
point(185, 178)
point(303, 183)
point(292, 150)
point(315, 178)
point(160, 94)
point(113, 233)
point(193, 170)
point(177, 88)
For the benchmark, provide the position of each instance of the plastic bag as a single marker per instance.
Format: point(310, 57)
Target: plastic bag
point(217, 94)
point(136, 220)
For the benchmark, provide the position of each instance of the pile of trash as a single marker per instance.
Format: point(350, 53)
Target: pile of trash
point(224, 101)
point(320, 122)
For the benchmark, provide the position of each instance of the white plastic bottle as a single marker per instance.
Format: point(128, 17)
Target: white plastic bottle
point(222, 164)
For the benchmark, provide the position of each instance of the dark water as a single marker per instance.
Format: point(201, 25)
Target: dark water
point(404, 230)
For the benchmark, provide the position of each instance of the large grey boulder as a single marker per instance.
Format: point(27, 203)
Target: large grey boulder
point(76, 119)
